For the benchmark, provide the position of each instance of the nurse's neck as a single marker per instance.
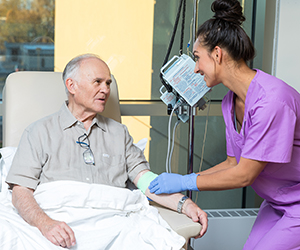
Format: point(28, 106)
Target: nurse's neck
point(237, 76)
point(240, 85)
point(241, 81)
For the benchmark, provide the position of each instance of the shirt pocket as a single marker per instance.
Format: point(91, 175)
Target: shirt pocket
point(113, 160)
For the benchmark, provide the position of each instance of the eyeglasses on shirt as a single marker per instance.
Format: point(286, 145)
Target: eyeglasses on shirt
point(88, 155)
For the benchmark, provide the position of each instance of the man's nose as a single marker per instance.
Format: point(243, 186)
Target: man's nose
point(105, 88)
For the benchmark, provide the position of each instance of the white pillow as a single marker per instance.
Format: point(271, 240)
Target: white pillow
point(8, 154)
point(141, 144)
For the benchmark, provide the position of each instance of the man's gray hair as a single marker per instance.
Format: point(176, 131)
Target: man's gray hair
point(72, 68)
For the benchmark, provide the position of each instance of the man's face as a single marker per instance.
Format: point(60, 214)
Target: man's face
point(91, 86)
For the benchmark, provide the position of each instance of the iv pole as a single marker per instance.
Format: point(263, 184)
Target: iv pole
point(192, 110)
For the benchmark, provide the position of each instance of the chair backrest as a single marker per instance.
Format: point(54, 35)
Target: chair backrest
point(29, 96)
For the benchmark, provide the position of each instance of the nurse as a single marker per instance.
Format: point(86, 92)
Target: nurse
point(262, 118)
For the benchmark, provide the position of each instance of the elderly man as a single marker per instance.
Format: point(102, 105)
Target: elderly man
point(78, 144)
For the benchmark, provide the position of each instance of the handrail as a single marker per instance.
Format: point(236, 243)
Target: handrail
point(154, 108)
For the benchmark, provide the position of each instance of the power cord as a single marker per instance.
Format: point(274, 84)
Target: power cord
point(173, 143)
point(204, 136)
point(203, 143)
point(169, 155)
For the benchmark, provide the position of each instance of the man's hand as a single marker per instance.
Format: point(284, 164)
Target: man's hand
point(59, 233)
point(196, 214)
point(189, 208)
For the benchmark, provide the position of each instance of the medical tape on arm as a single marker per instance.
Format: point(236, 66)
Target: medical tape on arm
point(145, 180)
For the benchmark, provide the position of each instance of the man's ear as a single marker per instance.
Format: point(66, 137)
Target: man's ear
point(70, 84)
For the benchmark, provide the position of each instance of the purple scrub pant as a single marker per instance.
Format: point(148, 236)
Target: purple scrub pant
point(274, 230)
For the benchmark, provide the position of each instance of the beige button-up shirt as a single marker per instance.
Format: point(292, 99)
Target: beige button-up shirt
point(48, 152)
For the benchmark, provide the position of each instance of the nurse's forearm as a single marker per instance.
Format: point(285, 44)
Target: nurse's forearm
point(228, 163)
point(221, 180)
point(241, 175)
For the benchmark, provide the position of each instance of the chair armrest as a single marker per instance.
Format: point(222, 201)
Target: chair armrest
point(180, 223)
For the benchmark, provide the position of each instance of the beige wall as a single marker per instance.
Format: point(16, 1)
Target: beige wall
point(281, 39)
point(121, 32)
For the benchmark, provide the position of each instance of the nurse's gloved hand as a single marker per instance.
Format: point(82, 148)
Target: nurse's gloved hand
point(168, 183)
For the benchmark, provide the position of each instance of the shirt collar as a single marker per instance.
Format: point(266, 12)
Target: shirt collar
point(67, 119)
point(101, 122)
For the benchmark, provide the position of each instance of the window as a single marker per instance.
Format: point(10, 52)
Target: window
point(132, 37)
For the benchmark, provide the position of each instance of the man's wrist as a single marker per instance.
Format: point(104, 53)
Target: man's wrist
point(185, 206)
point(181, 203)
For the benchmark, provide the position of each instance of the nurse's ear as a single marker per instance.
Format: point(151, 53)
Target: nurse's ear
point(217, 54)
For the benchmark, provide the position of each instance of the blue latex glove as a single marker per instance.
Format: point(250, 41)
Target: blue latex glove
point(168, 183)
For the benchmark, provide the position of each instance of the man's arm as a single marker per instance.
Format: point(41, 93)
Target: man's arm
point(58, 232)
point(171, 201)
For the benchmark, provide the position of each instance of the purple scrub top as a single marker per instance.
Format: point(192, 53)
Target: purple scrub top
point(270, 132)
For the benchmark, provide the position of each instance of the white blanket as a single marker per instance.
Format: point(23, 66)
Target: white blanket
point(102, 217)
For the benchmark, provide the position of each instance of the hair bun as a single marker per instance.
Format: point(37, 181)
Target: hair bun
point(228, 10)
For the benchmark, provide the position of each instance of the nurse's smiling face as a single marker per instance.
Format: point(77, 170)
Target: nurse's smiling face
point(205, 64)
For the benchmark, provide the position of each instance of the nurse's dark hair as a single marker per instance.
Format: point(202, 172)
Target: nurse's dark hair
point(224, 30)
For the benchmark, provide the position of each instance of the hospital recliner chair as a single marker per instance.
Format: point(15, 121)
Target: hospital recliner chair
point(29, 96)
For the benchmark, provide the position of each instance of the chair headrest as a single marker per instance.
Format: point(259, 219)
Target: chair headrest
point(29, 96)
